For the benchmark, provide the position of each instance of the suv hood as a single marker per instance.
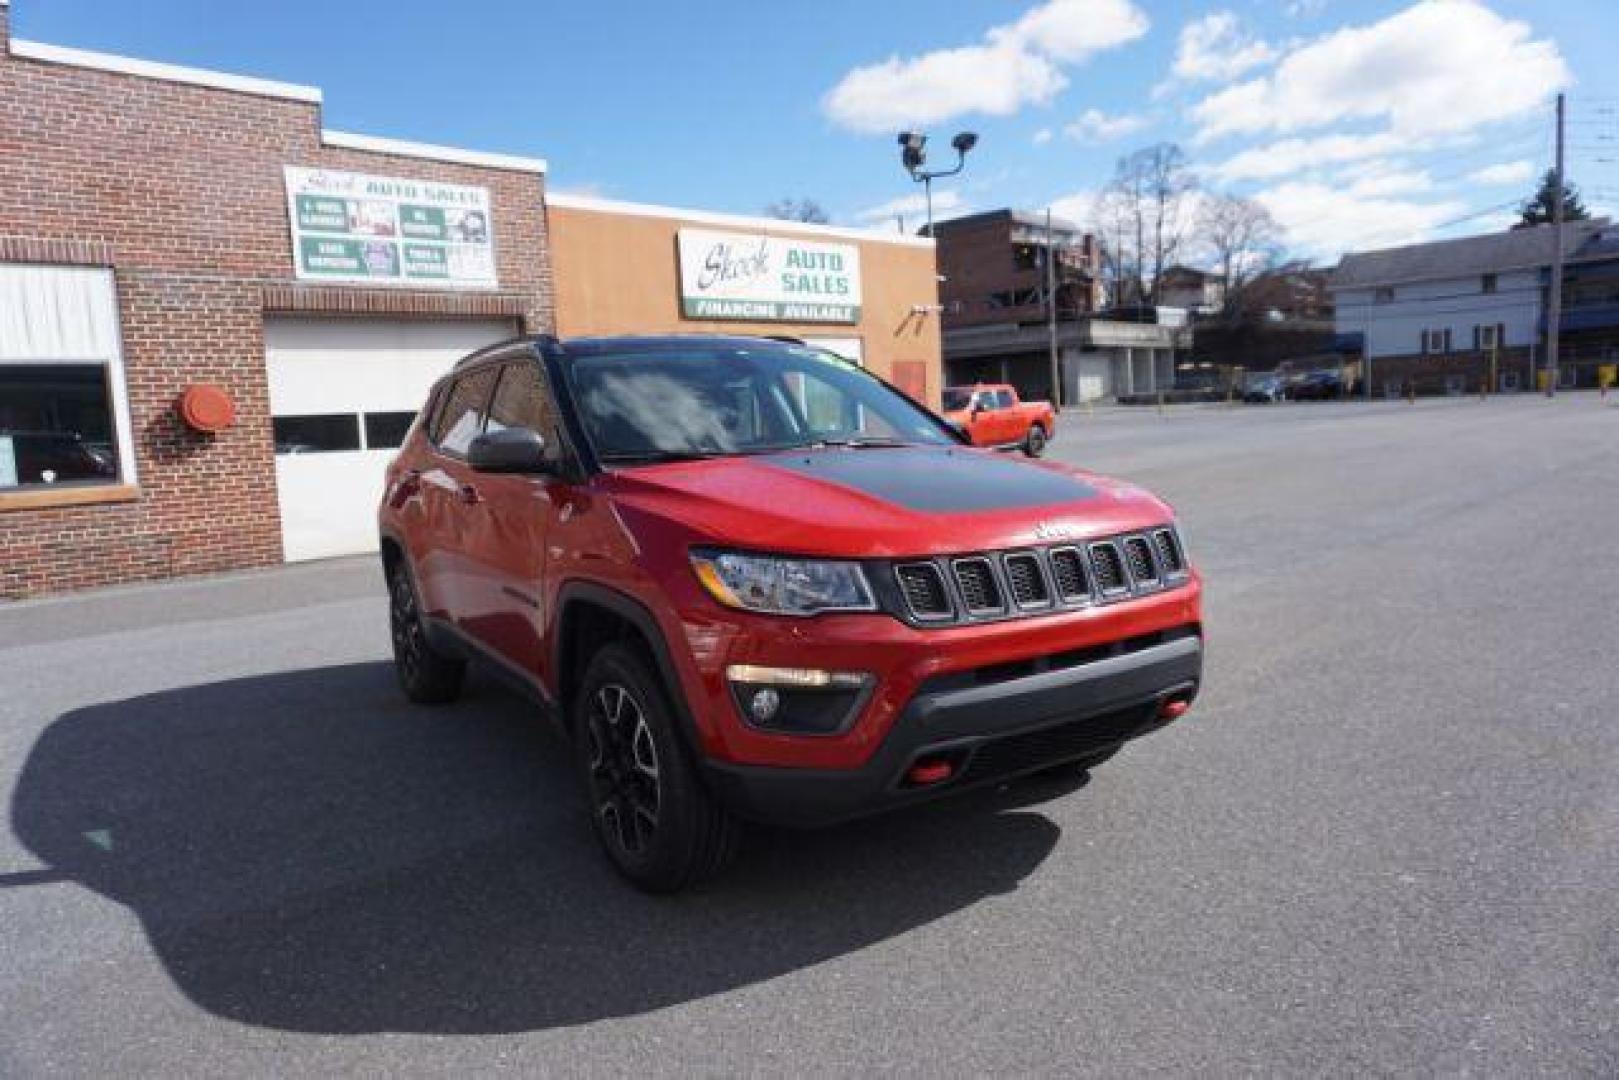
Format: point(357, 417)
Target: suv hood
point(879, 502)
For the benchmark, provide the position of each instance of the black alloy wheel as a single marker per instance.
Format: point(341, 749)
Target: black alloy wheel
point(427, 676)
point(623, 765)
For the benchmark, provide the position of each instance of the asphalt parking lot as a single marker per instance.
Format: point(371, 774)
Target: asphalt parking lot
point(1386, 840)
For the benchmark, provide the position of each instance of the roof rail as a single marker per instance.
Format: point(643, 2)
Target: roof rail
point(544, 341)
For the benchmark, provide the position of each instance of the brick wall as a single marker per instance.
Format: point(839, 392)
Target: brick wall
point(180, 189)
point(1439, 373)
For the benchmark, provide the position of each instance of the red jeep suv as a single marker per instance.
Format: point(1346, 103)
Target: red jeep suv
point(751, 581)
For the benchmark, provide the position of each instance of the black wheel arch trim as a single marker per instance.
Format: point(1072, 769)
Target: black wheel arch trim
point(639, 616)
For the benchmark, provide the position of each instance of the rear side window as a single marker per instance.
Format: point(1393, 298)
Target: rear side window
point(465, 404)
point(1003, 399)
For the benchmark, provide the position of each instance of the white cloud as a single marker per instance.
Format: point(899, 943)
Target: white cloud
point(1385, 179)
point(1042, 137)
point(1504, 172)
point(1017, 64)
point(914, 209)
point(1302, 9)
point(1290, 156)
point(1078, 207)
point(1094, 126)
point(1324, 220)
point(1216, 47)
point(1437, 66)
point(1071, 30)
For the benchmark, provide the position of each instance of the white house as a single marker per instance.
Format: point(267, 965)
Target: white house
point(1442, 310)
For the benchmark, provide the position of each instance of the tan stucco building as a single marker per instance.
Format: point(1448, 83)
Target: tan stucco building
point(628, 268)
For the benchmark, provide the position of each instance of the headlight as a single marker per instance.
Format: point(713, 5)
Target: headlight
point(783, 586)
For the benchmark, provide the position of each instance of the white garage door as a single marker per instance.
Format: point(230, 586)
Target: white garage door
point(342, 394)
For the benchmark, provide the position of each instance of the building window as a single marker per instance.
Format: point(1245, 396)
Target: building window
point(319, 433)
point(1026, 257)
point(1383, 294)
point(387, 430)
point(1486, 337)
point(1436, 341)
point(56, 426)
point(1488, 283)
point(64, 419)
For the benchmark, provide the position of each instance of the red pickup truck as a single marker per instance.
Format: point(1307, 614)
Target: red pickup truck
point(992, 415)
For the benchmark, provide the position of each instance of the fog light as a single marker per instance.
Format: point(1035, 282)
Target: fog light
point(764, 704)
point(804, 678)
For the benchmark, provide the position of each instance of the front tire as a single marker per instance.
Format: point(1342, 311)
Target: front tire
point(1034, 443)
point(427, 676)
point(658, 824)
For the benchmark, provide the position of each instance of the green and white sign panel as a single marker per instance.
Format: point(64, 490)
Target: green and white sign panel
point(350, 228)
point(756, 278)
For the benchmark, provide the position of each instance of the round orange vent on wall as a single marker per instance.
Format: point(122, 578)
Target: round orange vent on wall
point(207, 409)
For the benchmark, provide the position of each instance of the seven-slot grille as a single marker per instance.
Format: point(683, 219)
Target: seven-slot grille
point(924, 590)
point(979, 589)
point(996, 585)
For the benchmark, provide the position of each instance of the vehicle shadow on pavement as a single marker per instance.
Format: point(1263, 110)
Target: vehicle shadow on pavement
point(309, 852)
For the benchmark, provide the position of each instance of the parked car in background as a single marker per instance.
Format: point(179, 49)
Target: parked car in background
point(752, 582)
point(1316, 386)
point(1264, 391)
point(993, 416)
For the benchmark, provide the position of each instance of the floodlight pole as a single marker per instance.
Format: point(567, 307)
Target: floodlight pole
point(1554, 303)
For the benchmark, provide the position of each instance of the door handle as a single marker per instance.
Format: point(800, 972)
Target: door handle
point(469, 495)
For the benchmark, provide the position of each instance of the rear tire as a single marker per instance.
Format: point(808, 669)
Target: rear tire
point(427, 676)
point(657, 823)
point(1034, 443)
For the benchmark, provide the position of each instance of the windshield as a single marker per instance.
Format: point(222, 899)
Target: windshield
point(956, 399)
point(727, 399)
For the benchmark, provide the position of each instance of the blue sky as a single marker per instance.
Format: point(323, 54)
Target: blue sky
point(1356, 122)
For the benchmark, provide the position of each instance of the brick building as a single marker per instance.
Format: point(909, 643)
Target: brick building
point(998, 308)
point(172, 240)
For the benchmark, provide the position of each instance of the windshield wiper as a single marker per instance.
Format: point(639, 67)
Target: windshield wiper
point(658, 457)
point(860, 443)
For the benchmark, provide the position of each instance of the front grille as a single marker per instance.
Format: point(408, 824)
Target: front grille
point(1028, 584)
point(1142, 569)
point(1013, 755)
point(1068, 571)
point(979, 589)
point(1108, 566)
point(1169, 552)
point(924, 590)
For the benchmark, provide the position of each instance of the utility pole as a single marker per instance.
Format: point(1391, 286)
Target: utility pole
point(1554, 303)
point(1051, 311)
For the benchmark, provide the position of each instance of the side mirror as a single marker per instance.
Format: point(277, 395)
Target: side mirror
point(509, 450)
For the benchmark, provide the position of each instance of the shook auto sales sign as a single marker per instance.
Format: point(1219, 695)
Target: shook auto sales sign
point(748, 276)
point(380, 230)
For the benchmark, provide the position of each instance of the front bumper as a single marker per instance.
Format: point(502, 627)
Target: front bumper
point(990, 732)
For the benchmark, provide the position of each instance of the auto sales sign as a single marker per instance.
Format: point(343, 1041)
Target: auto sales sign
point(758, 278)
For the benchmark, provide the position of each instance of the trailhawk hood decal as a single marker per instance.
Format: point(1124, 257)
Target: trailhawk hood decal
point(890, 501)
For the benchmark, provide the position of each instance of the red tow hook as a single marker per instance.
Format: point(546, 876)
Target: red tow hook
point(929, 771)
point(1174, 708)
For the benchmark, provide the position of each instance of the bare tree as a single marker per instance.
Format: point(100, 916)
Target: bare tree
point(1144, 217)
point(806, 209)
point(1241, 237)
